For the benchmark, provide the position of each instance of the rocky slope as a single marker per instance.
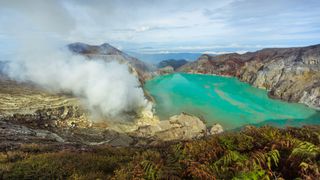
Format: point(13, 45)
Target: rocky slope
point(291, 74)
point(109, 53)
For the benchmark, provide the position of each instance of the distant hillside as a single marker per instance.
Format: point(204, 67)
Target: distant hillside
point(291, 74)
point(158, 57)
point(109, 53)
point(173, 63)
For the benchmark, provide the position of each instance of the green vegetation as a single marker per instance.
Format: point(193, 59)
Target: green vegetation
point(253, 153)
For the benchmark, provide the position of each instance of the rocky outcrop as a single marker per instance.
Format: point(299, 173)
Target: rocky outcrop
point(216, 129)
point(291, 74)
point(29, 105)
point(11, 133)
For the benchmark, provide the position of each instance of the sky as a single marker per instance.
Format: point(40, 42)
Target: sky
point(160, 26)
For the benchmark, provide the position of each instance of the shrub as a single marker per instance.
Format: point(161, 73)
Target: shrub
point(253, 153)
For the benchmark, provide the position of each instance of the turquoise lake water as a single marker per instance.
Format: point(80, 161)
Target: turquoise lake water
point(224, 100)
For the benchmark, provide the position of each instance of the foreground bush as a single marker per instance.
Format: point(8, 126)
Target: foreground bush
point(253, 153)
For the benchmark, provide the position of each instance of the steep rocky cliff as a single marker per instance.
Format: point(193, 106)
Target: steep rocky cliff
point(291, 74)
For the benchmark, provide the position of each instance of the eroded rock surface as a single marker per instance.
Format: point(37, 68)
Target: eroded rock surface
point(291, 74)
point(29, 105)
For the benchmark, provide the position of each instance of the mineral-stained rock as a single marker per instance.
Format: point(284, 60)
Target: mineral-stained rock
point(291, 74)
point(179, 127)
point(216, 129)
point(29, 105)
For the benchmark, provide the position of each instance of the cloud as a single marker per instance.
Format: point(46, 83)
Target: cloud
point(172, 23)
point(48, 16)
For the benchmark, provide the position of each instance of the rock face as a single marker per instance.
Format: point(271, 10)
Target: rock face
point(30, 114)
point(291, 74)
point(109, 53)
point(29, 105)
point(179, 127)
point(175, 64)
point(10, 133)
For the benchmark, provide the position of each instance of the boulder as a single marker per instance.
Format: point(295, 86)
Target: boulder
point(216, 129)
point(178, 127)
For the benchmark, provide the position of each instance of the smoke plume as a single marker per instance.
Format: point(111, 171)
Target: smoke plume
point(106, 88)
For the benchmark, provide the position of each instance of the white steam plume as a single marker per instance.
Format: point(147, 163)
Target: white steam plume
point(105, 87)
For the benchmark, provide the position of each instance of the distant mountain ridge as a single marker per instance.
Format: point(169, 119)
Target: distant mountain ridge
point(103, 49)
point(291, 74)
point(175, 63)
point(155, 58)
point(109, 53)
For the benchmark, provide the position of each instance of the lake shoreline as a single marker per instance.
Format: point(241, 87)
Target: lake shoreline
point(292, 119)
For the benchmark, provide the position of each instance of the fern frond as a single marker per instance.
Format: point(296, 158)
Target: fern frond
point(150, 169)
point(305, 150)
